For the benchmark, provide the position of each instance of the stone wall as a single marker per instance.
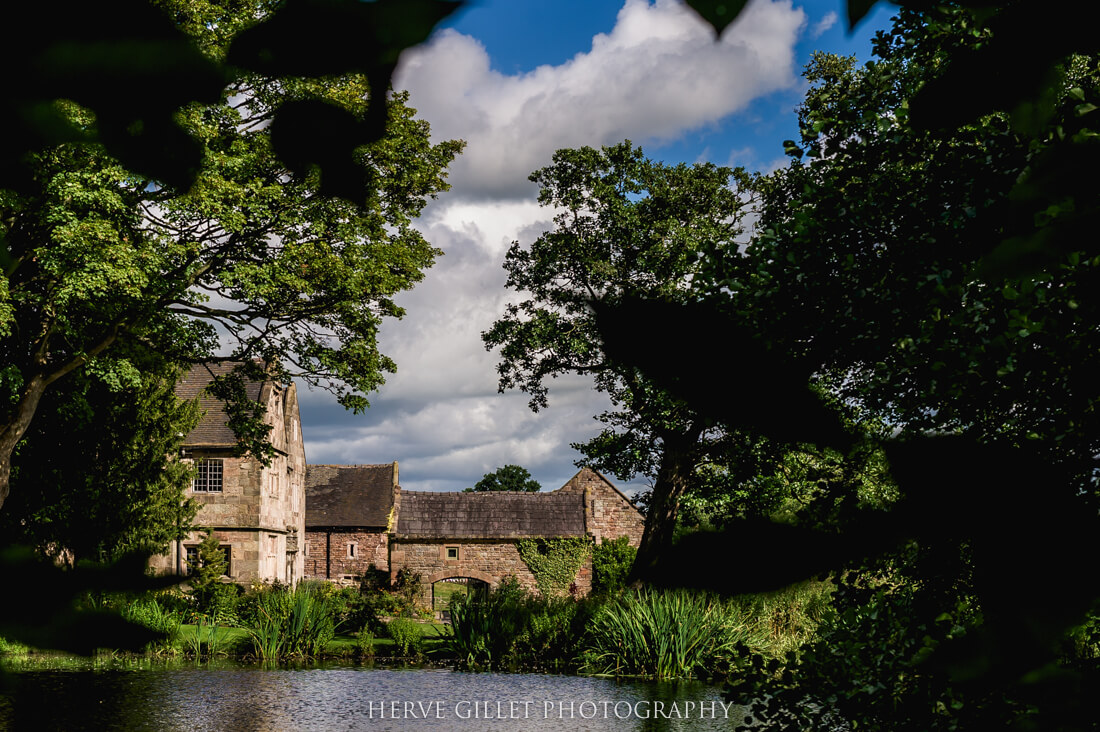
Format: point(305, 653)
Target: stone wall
point(608, 513)
point(371, 547)
point(489, 560)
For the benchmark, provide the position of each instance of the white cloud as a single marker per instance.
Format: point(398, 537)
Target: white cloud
point(823, 25)
point(657, 74)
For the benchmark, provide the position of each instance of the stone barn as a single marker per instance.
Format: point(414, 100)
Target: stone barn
point(348, 512)
point(476, 535)
point(358, 516)
point(257, 512)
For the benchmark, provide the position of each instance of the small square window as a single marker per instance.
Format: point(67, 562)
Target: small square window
point(452, 552)
point(208, 476)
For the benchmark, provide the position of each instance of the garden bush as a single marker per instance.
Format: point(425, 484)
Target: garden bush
point(611, 563)
point(407, 636)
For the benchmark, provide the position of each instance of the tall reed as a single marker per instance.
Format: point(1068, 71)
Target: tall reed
point(663, 635)
point(194, 643)
point(509, 629)
point(296, 624)
point(150, 613)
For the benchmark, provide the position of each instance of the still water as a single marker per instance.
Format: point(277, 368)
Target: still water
point(233, 698)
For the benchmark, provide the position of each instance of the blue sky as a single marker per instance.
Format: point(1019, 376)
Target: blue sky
point(518, 79)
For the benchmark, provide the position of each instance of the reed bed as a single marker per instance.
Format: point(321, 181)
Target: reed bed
point(664, 635)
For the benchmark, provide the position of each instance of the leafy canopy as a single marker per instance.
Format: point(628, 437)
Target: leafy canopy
point(251, 262)
point(507, 478)
point(625, 227)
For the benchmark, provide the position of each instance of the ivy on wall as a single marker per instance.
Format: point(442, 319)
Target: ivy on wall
point(554, 562)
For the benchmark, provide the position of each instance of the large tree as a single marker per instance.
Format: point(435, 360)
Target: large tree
point(934, 270)
point(251, 261)
point(624, 227)
point(96, 475)
point(926, 258)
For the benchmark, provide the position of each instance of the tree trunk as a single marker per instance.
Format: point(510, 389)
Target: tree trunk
point(12, 432)
point(677, 465)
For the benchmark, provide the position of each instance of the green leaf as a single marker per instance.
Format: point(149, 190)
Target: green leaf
point(857, 10)
point(718, 13)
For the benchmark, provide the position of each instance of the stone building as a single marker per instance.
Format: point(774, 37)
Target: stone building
point(348, 512)
point(358, 517)
point(286, 520)
point(256, 511)
point(476, 535)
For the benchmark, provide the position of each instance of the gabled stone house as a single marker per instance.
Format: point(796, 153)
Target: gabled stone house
point(256, 512)
point(348, 512)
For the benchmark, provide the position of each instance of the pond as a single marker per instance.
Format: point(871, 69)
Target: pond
point(228, 697)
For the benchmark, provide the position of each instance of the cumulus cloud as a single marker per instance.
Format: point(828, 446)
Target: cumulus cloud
point(655, 75)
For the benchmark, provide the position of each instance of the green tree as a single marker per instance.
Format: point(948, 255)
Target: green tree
point(507, 478)
point(251, 257)
point(212, 564)
point(934, 273)
point(899, 241)
point(625, 227)
point(96, 477)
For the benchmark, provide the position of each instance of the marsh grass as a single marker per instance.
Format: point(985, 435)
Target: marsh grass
point(206, 640)
point(665, 635)
point(292, 624)
point(149, 612)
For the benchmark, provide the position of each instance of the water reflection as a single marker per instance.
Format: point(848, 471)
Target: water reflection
point(241, 699)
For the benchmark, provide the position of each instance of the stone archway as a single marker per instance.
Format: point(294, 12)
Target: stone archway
point(443, 586)
point(459, 572)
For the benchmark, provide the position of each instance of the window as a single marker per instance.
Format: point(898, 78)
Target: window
point(352, 548)
point(452, 552)
point(208, 476)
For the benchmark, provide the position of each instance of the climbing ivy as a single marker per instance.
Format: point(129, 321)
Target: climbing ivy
point(554, 562)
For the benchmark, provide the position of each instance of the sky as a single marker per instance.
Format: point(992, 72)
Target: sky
point(518, 80)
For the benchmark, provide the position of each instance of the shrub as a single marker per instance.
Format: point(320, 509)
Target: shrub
point(407, 590)
point(407, 636)
point(13, 648)
point(611, 563)
point(364, 643)
point(221, 604)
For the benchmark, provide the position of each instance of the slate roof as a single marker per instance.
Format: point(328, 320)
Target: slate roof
point(490, 515)
point(349, 495)
point(212, 429)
